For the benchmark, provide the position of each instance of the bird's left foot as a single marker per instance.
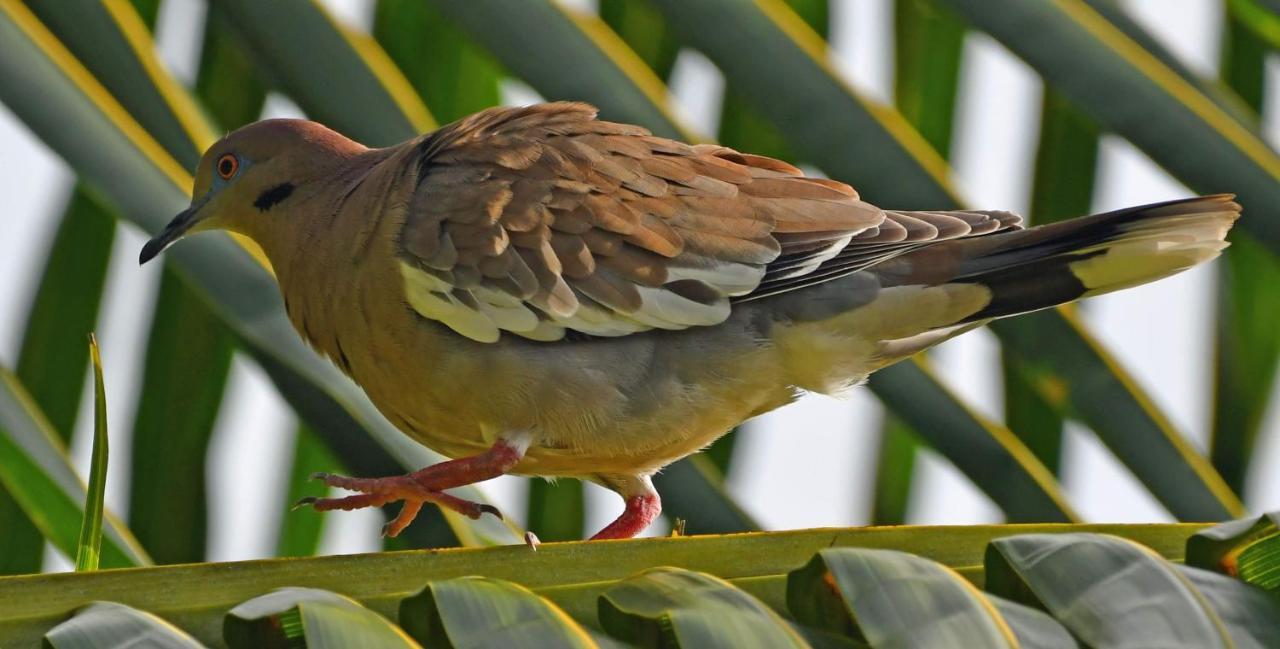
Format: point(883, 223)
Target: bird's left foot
point(375, 492)
point(424, 486)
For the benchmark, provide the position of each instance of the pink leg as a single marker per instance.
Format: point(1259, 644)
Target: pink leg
point(642, 506)
point(423, 486)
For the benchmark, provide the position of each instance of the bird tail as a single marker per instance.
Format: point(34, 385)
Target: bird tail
point(1041, 267)
point(941, 290)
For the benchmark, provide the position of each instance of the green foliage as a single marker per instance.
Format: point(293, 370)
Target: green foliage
point(106, 625)
point(1246, 346)
point(994, 586)
point(36, 473)
point(481, 612)
point(451, 74)
point(89, 547)
point(182, 387)
point(85, 79)
point(53, 362)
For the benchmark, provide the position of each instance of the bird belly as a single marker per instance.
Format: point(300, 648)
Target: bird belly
point(629, 405)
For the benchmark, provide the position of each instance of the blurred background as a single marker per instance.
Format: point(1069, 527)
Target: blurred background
point(1012, 143)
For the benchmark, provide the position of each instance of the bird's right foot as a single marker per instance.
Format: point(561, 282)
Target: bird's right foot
point(375, 492)
point(423, 486)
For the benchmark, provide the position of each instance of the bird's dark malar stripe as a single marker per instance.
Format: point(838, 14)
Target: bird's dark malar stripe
point(271, 197)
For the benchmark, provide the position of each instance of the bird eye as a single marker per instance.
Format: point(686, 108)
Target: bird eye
point(227, 166)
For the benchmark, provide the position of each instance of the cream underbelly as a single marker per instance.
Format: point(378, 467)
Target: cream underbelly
point(615, 437)
point(593, 417)
point(628, 405)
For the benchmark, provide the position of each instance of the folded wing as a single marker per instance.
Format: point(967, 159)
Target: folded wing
point(542, 219)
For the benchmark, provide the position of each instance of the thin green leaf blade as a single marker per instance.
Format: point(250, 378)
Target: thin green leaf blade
point(556, 509)
point(1066, 161)
point(1246, 344)
point(107, 625)
point(1262, 19)
point(742, 127)
point(89, 546)
point(361, 92)
point(785, 75)
point(1033, 413)
point(928, 44)
point(1106, 397)
point(77, 118)
point(895, 467)
point(226, 82)
point(670, 607)
point(111, 39)
point(483, 612)
point(1062, 188)
point(52, 363)
point(1213, 151)
point(1248, 548)
point(36, 472)
point(185, 370)
point(1246, 354)
point(1104, 589)
point(988, 453)
point(641, 27)
point(308, 617)
point(448, 70)
point(539, 40)
point(1220, 94)
point(693, 490)
point(300, 530)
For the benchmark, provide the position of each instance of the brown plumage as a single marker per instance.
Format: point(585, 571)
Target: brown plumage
point(551, 208)
point(582, 298)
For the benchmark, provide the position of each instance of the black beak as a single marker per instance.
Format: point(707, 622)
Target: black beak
point(172, 232)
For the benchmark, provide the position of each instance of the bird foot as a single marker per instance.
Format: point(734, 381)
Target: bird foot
point(375, 492)
point(426, 485)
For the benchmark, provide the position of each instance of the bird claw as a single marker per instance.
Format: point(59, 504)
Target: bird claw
point(303, 502)
point(380, 491)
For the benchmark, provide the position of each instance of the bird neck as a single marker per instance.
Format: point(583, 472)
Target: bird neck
point(338, 268)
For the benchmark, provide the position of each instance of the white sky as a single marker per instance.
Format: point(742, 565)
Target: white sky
point(809, 464)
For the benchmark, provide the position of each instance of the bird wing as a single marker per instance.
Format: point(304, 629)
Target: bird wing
point(543, 219)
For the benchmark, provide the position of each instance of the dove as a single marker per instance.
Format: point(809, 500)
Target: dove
point(535, 291)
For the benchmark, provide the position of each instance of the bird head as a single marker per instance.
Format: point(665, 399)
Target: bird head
point(248, 181)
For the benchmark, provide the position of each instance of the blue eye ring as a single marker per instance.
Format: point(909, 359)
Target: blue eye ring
point(227, 166)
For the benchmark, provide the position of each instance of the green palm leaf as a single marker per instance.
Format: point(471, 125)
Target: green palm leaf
point(1213, 152)
point(572, 576)
point(37, 474)
point(81, 121)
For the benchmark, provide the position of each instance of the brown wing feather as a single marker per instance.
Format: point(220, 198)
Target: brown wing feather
point(539, 219)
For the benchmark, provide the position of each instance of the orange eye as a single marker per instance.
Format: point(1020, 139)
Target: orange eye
point(228, 165)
